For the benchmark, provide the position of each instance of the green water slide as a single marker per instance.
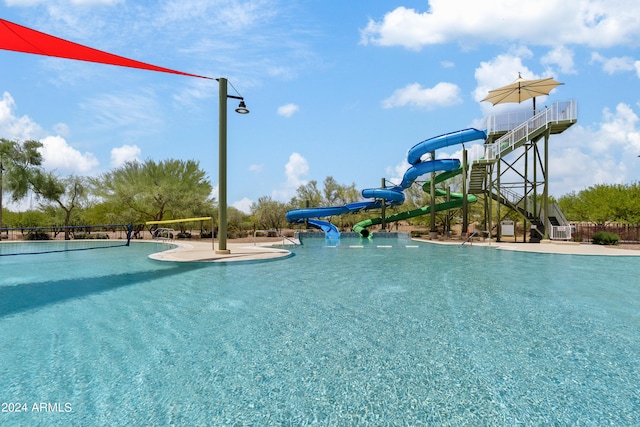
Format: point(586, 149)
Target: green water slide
point(455, 202)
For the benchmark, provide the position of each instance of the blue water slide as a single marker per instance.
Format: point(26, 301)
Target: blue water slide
point(302, 214)
point(362, 206)
point(453, 138)
point(330, 230)
point(392, 195)
point(429, 166)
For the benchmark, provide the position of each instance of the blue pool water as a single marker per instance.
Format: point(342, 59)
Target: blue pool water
point(426, 335)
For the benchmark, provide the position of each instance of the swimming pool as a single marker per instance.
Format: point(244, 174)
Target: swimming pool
point(419, 335)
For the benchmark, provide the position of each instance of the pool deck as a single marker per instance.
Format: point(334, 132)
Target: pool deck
point(204, 252)
point(263, 251)
point(548, 247)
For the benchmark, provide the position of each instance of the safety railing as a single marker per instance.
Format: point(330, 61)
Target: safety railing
point(164, 234)
point(514, 198)
point(505, 122)
point(560, 232)
point(472, 235)
point(557, 112)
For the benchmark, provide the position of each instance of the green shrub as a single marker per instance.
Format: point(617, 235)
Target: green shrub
point(605, 238)
point(36, 235)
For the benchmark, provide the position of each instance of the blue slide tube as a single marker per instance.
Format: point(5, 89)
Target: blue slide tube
point(389, 194)
point(330, 230)
point(302, 214)
point(429, 166)
point(453, 138)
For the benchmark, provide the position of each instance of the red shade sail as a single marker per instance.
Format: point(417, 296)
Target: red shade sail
point(22, 39)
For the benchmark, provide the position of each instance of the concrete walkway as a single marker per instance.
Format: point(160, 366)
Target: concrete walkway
point(550, 247)
point(203, 252)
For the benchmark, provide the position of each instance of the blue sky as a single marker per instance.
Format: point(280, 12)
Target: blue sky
point(335, 88)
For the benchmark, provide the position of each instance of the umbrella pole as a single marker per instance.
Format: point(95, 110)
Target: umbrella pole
point(534, 105)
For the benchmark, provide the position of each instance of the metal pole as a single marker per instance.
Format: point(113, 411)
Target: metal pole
point(499, 193)
point(222, 168)
point(545, 192)
point(465, 201)
point(383, 209)
point(213, 239)
point(489, 203)
point(448, 218)
point(1, 171)
point(433, 231)
point(526, 193)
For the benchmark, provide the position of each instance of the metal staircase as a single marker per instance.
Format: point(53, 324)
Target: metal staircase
point(507, 133)
point(504, 136)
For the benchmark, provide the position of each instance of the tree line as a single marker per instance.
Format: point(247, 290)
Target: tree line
point(603, 203)
point(133, 193)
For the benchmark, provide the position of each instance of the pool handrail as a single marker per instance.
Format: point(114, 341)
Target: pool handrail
point(274, 231)
point(470, 237)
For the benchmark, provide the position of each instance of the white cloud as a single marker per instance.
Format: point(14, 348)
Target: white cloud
point(441, 95)
point(561, 57)
point(582, 157)
point(536, 22)
point(295, 171)
point(123, 154)
point(288, 110)
point(396, 173)
point(60, 156)
point(243, 205)
point(619, 128)
point(256, 168)
point(61, 129)
point(615, 64)
point(56, 152)
point(14, 127)
point(499, 71)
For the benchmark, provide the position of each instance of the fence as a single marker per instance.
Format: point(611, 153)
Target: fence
point(628, 233)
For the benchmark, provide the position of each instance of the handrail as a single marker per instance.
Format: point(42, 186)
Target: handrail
point(159, 233)
point(559, 111)
point(273, 231)
point(511, 196)
point(469, 239)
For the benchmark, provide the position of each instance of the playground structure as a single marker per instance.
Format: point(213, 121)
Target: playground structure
point(513, 172)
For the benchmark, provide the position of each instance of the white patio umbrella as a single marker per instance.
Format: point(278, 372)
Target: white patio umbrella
point(521, 90)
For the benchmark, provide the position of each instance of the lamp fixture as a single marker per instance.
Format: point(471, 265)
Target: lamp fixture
point(242, 108)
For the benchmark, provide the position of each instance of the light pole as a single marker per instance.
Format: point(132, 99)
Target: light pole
point(222, 162)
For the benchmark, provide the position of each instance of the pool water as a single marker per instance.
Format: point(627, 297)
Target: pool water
point(345, 335)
